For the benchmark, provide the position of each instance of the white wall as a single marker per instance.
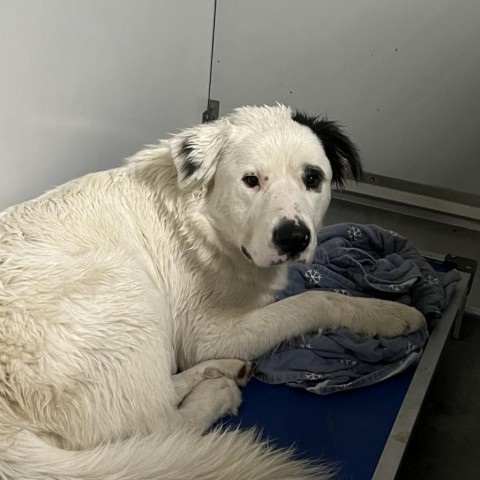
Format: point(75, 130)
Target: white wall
point(85, 83)
point(403, 76)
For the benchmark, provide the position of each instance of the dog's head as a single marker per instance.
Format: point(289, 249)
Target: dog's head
point(269, 172)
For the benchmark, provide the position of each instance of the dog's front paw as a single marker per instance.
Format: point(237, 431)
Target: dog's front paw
point(388, 319)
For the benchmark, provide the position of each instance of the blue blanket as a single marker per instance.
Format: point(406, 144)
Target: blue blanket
point(367, 261)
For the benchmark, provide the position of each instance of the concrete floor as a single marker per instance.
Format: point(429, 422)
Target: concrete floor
point(446, 440)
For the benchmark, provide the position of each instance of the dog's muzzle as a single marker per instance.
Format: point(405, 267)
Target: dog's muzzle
point(291, 238)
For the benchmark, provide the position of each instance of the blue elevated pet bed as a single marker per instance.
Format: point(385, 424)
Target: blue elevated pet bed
point(354, 429)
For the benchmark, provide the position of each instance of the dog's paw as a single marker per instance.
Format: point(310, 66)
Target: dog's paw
point(237, 370)
point(210, 400)
point(387, 319)
point(232, 396)
point(224, 394)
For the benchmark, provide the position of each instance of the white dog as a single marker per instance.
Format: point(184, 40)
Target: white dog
point(114, 282)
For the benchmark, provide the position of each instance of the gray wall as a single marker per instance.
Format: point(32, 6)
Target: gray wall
point(403, 76)
point(85, 83)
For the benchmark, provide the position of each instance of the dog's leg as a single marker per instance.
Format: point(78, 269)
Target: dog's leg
point(256, 332)
point(187, 380)
point(210, 400)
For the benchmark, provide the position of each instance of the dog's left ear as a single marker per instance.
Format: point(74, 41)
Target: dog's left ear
point(340, 150)
point(196, 152)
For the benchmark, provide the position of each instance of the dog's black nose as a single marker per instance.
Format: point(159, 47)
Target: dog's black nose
point(291, 238)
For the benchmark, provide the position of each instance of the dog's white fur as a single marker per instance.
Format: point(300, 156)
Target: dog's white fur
point(113, 282)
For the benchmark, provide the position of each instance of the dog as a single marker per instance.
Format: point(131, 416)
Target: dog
point(132, 301)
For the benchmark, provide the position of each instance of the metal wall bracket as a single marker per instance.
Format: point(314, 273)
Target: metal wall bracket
point(467, 265)
point(212, 111)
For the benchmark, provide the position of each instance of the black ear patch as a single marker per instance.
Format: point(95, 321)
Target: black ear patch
point(189, 165)
point(340, 150)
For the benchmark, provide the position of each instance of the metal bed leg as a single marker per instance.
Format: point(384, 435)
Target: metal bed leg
point(457, 325)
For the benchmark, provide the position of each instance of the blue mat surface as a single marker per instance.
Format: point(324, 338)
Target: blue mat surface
point(349, 429)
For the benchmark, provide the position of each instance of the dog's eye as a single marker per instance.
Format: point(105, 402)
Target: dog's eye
point(250, 181)
point(312, 178)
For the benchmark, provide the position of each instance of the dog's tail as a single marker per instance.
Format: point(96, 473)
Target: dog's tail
point(230, 455)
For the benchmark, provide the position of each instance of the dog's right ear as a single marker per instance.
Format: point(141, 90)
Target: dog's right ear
point(197, 150)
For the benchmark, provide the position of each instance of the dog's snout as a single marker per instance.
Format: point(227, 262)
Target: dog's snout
point(291, 238)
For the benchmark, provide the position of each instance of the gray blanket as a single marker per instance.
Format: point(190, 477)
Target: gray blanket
point(367, 261)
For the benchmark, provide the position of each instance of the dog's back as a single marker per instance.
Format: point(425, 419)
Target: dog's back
point(110, 280)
